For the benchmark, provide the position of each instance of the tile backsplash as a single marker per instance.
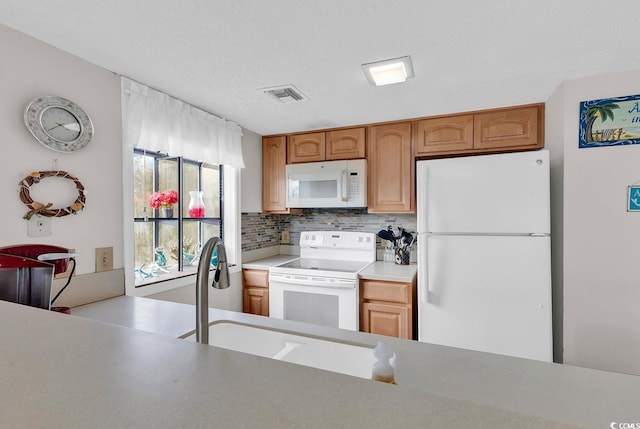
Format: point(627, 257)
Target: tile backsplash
point(261, 230)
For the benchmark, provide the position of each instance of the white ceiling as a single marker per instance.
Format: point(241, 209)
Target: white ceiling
point(216, 54)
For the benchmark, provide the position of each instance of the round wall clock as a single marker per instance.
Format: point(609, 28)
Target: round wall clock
point(58, 123)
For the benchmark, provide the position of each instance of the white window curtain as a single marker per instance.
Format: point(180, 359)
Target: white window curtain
point(158, 122)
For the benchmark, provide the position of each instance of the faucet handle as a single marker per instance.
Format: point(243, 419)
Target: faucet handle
point(221, 276)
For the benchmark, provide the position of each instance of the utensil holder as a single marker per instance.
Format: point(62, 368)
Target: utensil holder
point(403, 255)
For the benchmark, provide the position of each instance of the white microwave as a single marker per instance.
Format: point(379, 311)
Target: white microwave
point(331, 184)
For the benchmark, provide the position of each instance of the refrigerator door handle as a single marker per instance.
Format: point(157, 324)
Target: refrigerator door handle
point(423, 279)
point(423, 186)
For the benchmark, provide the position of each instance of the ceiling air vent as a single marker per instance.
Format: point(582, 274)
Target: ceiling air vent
point(285, 94)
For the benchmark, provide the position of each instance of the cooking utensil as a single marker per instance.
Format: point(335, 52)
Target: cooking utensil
point(390, 230)
point(386, 235)
point(407, 237)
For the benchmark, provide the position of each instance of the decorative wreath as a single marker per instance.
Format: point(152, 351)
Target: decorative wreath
point(45, 209)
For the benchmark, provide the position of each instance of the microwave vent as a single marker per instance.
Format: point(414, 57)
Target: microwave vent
point(285, 94)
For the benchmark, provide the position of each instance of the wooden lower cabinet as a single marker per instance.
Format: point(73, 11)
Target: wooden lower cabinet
point(255, 300)
point(388, 308)
point(255, 292)
point(386, 319)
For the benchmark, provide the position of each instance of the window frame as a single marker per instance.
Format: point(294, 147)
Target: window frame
point(180, 220)
point(230, 229)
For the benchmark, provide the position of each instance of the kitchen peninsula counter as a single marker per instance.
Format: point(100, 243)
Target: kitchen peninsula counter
point(66, 371)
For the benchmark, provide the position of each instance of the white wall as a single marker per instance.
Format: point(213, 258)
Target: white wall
point(252, 173)
point(600, 238)
point(30, 69)
point(554, 141)
point(38, 69)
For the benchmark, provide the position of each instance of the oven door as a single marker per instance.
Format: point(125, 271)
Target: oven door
point(319, 300)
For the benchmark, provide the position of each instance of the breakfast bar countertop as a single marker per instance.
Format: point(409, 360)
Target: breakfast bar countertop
point(101, 375)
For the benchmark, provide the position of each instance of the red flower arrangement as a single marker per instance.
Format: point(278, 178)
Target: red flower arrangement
point(163, 199)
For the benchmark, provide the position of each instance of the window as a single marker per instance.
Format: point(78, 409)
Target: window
point(166, 245)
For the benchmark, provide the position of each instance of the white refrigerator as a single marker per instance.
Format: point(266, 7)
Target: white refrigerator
point(484, 258)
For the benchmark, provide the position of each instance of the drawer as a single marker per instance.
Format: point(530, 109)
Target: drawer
point(258, 278)
point(373, 290)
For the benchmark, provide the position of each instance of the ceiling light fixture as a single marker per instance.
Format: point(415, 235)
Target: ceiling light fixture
point(386, 72)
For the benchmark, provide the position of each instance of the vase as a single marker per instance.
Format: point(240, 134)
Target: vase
point(196, 204)
point(166, 212)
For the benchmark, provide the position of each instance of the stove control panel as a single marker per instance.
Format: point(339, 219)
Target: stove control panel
point(338, 240)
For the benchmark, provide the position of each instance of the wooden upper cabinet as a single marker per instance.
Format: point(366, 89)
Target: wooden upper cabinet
point(498, 130)
point(274, 160)
point(306, 147)
point(391, 169)
point(345, 144)
point(445, 134)
point(517, 127)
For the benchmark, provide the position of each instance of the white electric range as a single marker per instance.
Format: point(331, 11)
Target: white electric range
point(322, 286)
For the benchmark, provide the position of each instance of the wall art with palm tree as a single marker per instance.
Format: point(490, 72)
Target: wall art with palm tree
point(610, 122)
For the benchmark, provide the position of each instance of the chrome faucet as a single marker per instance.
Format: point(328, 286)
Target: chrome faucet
point(220, 281)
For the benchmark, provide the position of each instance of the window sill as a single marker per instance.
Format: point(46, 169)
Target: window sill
point(173, 280)
point(165, 277)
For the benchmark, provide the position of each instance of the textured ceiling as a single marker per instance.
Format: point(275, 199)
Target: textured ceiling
point(216, 54)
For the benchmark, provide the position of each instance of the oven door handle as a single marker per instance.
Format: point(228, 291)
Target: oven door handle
point(305, 281)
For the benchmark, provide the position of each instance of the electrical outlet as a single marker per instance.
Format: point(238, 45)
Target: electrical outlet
point(104, 259)
point(285, 237)
point(39, 226)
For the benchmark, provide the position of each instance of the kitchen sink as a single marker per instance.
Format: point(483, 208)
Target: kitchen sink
point(349, 359)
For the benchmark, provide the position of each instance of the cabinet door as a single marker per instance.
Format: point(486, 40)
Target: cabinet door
point(386, 319)
point(306, 148)
point(274, 160)
point(391, 169)
point(255, 300)
point(345, 144)
point(448, 134)
point(519, 127)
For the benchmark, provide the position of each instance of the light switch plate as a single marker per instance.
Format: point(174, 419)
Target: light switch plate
point(104, 259)
point(39, 226)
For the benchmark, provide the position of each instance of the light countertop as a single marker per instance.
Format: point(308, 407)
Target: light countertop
point(266, 263)
point(103, 376)
point(379, 270)
point(389, 271)
point(178, 383)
